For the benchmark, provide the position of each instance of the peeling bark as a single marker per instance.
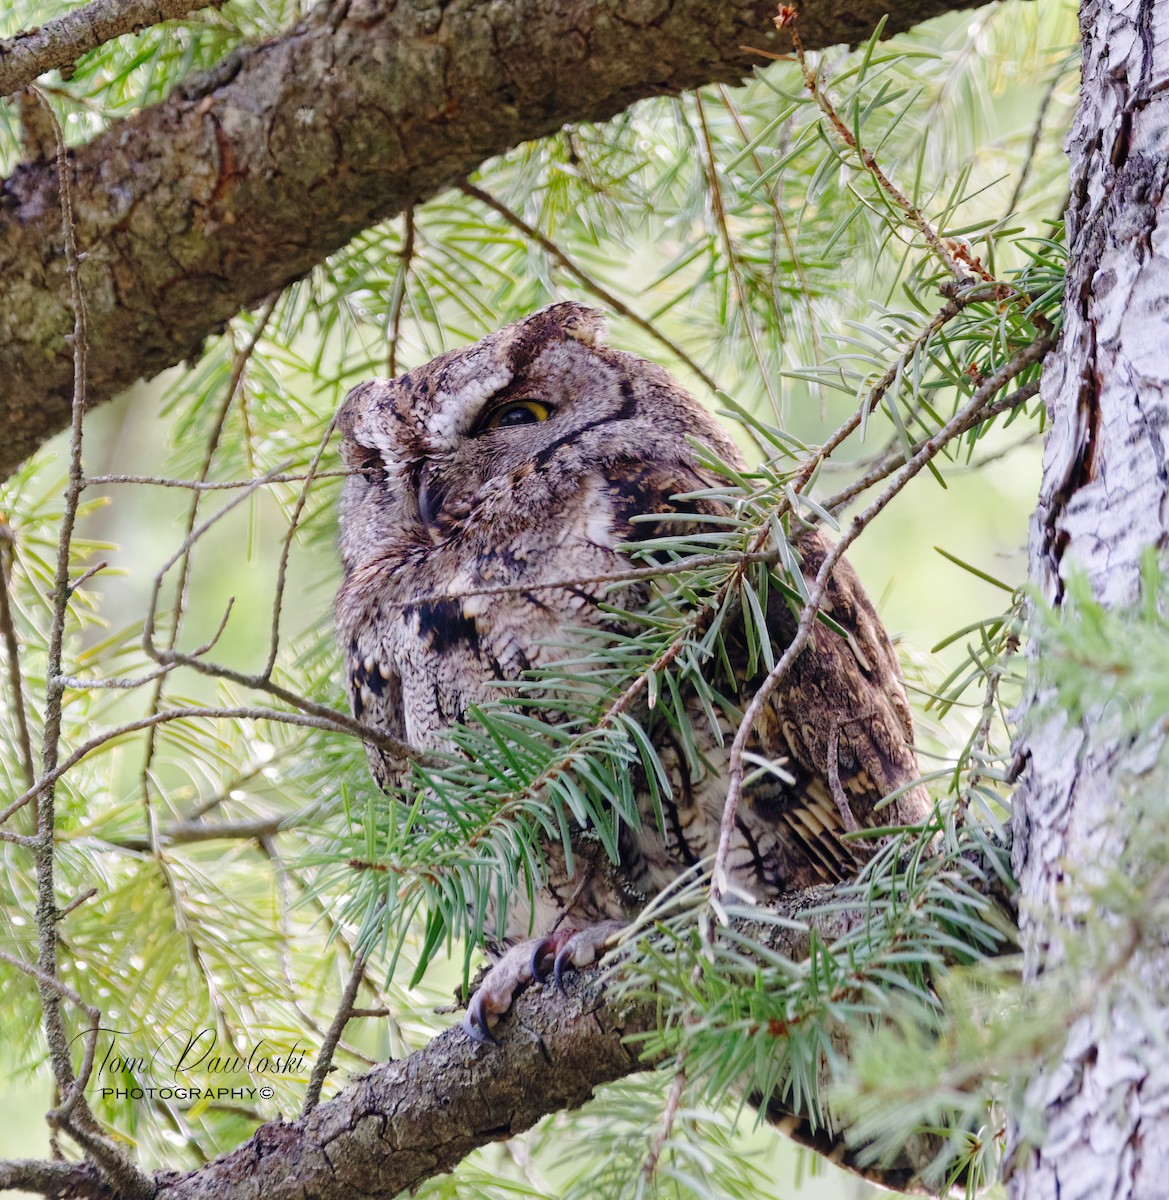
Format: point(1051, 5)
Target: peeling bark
point(1104, 502)
point(245, 178)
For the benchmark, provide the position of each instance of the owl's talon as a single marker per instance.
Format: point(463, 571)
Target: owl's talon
point(527, 962)
point(583, 948)
point(475, 1024)
point(544, 948)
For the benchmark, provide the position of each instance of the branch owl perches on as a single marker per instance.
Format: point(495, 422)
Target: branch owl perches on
point(493, 488)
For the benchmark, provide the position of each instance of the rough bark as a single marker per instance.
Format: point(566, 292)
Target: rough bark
point(1104, 502)
point(58, 44)
point(411, 1118)
point(416, 1117)
point(243, 180)
point(419, 1116)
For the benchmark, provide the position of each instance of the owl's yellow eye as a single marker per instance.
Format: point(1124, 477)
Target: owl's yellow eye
point(518, 412)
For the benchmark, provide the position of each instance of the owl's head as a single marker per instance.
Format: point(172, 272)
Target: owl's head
point(509, 432)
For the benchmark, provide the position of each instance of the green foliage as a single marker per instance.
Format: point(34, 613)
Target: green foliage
point(1114, 661)
point(744, 235)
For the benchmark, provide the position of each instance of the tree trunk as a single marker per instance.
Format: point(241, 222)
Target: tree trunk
point(1104, 502)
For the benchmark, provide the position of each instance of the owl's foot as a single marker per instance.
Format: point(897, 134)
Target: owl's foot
point(528, 961)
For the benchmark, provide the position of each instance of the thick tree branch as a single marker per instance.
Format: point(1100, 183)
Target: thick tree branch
point(410, 1119)
point(416, 1117)
point(244, 179)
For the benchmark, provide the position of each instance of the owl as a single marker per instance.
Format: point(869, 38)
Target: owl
point(520, 462)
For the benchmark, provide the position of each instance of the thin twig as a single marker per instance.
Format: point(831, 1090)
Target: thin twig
point(324, 1061)
point(973, 417)
point(306, 720)
point(239, 363)
point(77, 902)
point(87, 575)
point(692, 562)
point(876, 393)
point(772, 188)
point(720, 215)
point(405, 257)
point(336, 934)
point(649, 1168)
point(64, 991)
point(73, 1114)
point(787, 20)
point(269, 849)
point(1033, 146)
point(286, 550)
point(189, 833)
point(12, 656)
point(515, 220)
point(332, 718)
point(198, 485)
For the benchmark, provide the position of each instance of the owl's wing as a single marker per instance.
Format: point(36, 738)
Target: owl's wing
point(842, 718)
point(841, 727)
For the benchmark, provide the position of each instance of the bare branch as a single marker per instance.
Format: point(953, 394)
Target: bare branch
point(405, 257)
point(286, 549)
point(235, 167)
point(189, 833)
point(742, 300)
point(973, 415)
point(58, 44)
point(57, 1178)
point(650, 1166)
point(306, 720)
point(73, 1113)
point(183, 556)
point(342, 1017)
point(416, 1117)
point(319, 716)
point(74, 1096)
point(12, 655)
point(199, 485)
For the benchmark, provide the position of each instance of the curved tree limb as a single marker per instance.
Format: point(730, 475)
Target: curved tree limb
point(419, 1116)
point(246, 177)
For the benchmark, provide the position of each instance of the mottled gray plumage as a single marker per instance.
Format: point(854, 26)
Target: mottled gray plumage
point(520, 460)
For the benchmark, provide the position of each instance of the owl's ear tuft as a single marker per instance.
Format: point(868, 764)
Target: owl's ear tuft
point(579, 322)
point(356, 404)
